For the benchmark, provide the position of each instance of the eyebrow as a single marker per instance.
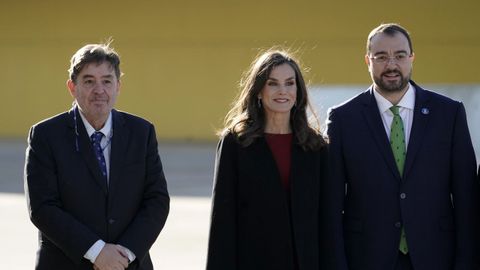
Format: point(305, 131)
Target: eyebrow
point(88, 76)
point(396, 52)
point(288, 79)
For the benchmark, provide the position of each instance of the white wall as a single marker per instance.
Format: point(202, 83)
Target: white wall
point(324, 96)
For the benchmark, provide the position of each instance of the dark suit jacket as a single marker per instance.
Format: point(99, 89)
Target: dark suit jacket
point(70, 203)
point(251, 224)
point(436, 201)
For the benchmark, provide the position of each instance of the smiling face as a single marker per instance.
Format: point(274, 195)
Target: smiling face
point(280, 91)
point(95, 91)
point(390, 62)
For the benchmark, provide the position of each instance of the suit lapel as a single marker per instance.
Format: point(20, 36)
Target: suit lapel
point(118, 149)
point(375, 123)
point(70, 122)
point(419, 126)
point(86, 150)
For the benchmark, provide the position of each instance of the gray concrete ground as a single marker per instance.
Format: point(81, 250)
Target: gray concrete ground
point(182, 244)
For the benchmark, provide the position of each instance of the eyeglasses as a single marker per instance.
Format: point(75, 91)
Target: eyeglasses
point(399, 58)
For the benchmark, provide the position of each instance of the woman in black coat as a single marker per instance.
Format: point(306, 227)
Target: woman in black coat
point(269, 165)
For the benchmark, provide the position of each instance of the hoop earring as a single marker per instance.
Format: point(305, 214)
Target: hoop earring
point(259, 102)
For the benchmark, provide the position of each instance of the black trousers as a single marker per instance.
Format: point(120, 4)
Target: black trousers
point(403, 262)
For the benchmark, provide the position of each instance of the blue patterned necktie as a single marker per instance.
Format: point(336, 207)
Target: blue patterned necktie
point(397, 142)
point(96, 139)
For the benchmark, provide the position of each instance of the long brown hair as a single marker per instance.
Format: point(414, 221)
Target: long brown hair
point(246, 120)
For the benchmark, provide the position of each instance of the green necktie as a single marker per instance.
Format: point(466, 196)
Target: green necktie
point(397, 142)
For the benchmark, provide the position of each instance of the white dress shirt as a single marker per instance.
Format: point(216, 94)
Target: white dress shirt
point(106, 145)
point(406, 107)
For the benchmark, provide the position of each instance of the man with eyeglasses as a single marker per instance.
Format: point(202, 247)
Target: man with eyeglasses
point(94, 181)
point(402, 193)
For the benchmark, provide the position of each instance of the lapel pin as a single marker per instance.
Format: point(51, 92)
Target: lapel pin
point(425, 111)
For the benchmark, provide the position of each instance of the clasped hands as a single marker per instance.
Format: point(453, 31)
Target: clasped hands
point(112, 257)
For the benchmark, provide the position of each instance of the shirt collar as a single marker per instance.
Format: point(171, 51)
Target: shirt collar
point(407, 101)
point(106, 130)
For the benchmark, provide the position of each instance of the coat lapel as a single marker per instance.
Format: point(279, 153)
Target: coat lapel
point(268, 161)
point(375, 123)
point(420, 120)
point(272, 178)
point(118, 150)
point(298, 172)
point(80, 136)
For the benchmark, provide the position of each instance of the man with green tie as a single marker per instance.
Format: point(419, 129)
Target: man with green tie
point(402, 193)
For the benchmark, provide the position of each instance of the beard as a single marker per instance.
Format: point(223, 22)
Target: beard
point(392, 86)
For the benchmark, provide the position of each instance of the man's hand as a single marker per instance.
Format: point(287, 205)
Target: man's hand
point(112, 257)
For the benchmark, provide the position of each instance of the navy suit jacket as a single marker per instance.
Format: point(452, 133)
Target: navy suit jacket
point(436, 200)
point(70, 203)
point(253, 225)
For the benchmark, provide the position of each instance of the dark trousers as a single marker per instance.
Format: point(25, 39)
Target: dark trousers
point(403, 262)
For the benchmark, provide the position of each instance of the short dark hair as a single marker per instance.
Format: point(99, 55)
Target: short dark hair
point(389, 29)
point(94, 53)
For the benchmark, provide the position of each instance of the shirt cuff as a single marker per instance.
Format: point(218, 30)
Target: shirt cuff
point(130, 255)
point(94, 250)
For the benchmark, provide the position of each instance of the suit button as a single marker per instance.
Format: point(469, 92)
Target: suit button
point(403, 196)
point(398, 225)
point(111, 221)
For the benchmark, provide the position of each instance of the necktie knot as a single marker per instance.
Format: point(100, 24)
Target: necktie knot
point(97, 137)
point(395, 110)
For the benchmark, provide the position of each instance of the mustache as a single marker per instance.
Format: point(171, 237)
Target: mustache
point(395, 71)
